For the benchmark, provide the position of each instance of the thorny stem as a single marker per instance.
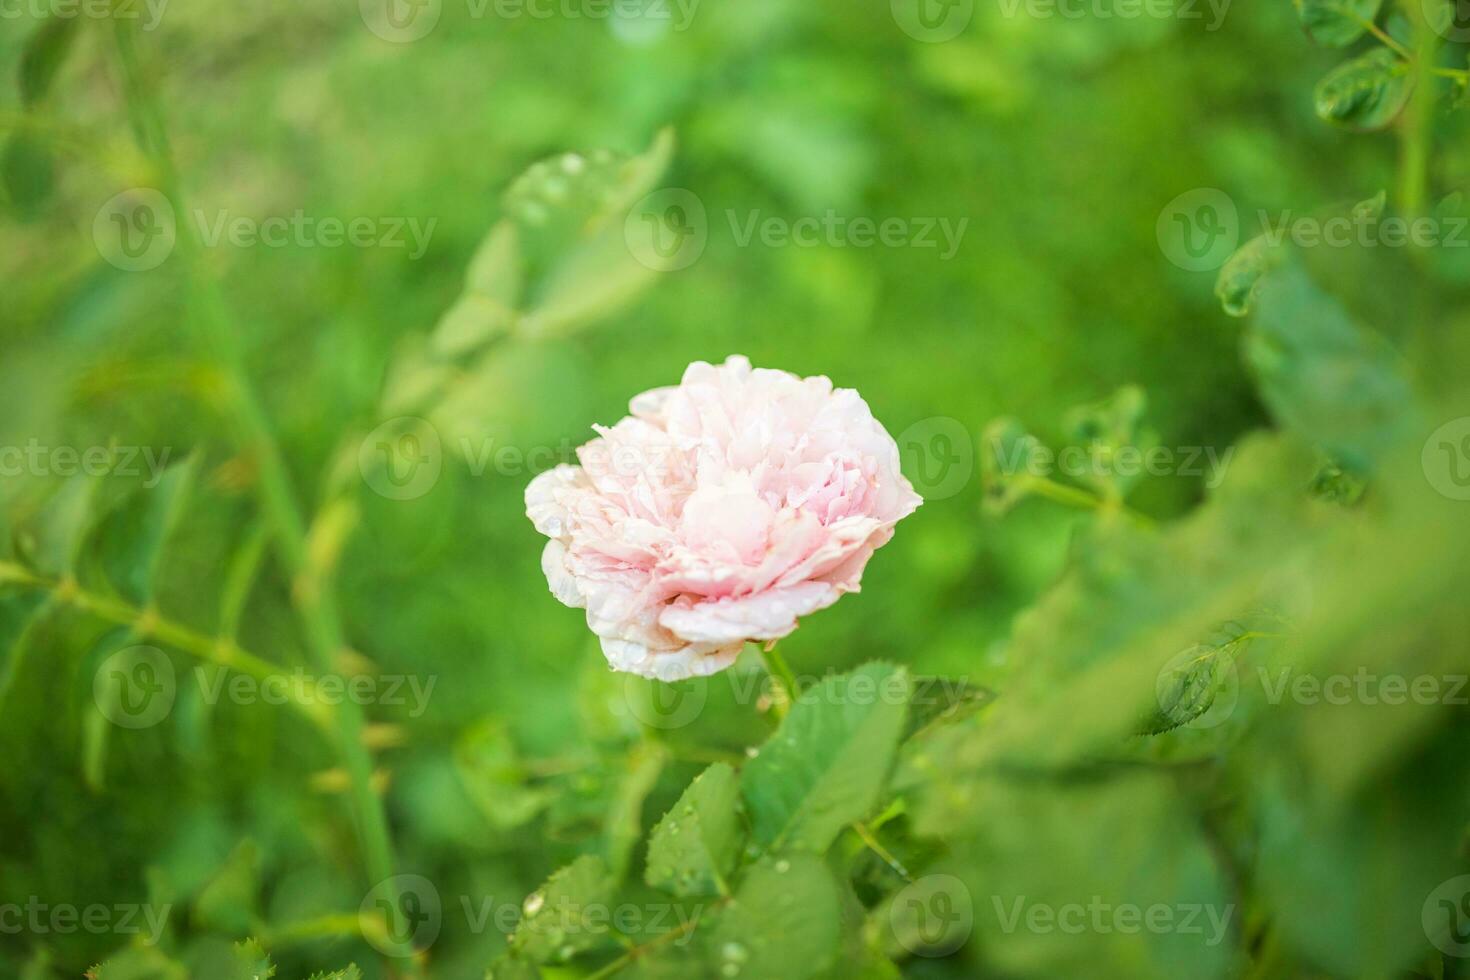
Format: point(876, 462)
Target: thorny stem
point(315, 606)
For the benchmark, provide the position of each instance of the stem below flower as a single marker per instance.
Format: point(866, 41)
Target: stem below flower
point(786, 689)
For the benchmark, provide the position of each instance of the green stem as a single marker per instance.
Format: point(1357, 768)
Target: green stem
point(1415, 135)
point(314, 604)
point(1061, 493)
point(866, 835)
point(148, 624)
point(786, 686)
point(627, 958)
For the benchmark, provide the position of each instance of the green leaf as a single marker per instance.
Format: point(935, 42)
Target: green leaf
point(228, 900)
point(493, 776)
point(826, 765)
point(1349, 878)
point(781, 925)
point(487, 306)
point(937, 700)
point(43, 57)
point(595, 280)
point(27, 164)
point(27, 172)
point(52, 541)
point(349, 972)
point(1010, 457)
point(1037, 857)
point(139, 963)
point(251, 962)
point(1322, 374)
point(624, 825)
point(567, 915)
point(694, 847)
point(1336, 23)
point(593, 270)
point(1366, 93)
point(130, 542)
point(1187, 687)
point(1236, 284)
point(509, 966)
point(1104, 430)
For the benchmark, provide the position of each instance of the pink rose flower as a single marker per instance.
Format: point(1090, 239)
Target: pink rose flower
point(720, 511)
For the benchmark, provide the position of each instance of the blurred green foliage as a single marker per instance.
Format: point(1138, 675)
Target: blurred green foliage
point(1090, 711)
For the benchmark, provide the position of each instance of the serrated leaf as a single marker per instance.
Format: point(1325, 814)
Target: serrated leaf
point(251, 962)
point(1336, 23)
point(139, 963)
point(694, 847)
point(349, 972)
point(1365, 93)
point(567, 915)
point(782, 924)
point(1187, 688)
point(826, 765)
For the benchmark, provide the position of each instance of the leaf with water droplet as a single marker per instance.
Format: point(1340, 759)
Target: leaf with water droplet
point(781, 925)
point(695, 845)
point(826, 765)
point(557, 923)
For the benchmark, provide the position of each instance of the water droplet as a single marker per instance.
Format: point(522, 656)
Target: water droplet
point(783, 866)
point(534, 901)
point(734, 952)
